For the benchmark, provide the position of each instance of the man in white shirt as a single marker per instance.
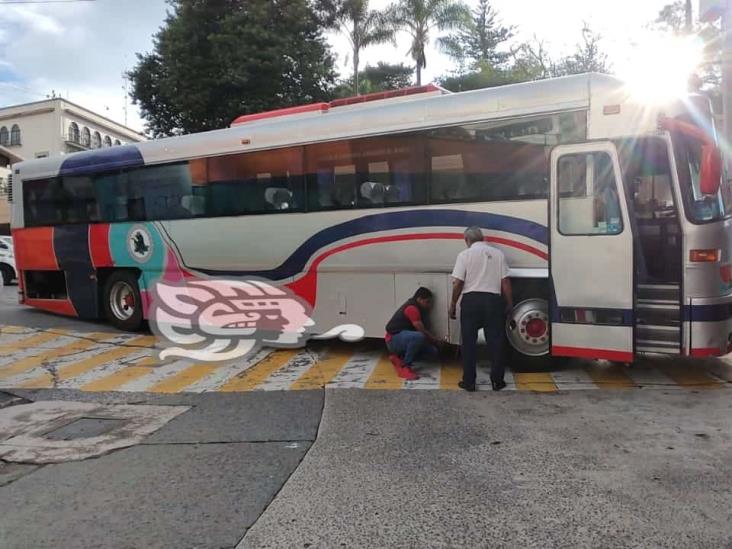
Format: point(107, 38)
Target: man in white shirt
point(481, 277)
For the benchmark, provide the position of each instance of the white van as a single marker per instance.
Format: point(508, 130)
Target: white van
point(7, 260)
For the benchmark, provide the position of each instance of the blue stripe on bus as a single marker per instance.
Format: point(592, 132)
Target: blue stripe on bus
point(296, 263)
point(101, 160)
point(708, 313)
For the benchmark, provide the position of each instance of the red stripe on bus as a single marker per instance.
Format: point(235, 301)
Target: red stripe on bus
point(60, 306)
point(705, 352)
point(581, 352)
point(306, 286)
point(99, 250)
point(34, 249)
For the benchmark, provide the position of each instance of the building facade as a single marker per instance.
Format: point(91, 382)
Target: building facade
point(48, 128)
point(58, 126)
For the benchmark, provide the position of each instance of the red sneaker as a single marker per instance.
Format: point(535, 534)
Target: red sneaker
point(397, 362)
point(408, 374)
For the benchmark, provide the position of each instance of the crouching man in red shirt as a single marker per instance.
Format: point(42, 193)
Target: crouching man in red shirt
point(407, 334)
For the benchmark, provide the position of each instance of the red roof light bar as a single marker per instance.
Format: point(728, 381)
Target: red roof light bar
point(378, 96)
point(325, 107)
point(322, 107)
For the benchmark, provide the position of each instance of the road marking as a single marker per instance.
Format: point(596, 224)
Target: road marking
point(31, 341)
point(28, 363)
point(117, 379)
point(451, 375)
point(15, 330)
point(685, 375)
point(253, 377)
point(47, 379)
point(286, 376)
point(357, 370)
point(610, 376)
point(226, 371)
point(384, 376)
point(324, 370)
point(178, 382)
point(538, 382)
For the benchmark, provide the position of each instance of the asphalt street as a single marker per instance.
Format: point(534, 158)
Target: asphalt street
point(647, 466)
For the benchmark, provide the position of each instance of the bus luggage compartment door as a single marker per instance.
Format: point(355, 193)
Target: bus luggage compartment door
point(591, 246)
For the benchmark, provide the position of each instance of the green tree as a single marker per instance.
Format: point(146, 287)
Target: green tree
point(483, 76)
point(382, 77)
point(215, 60)
point(363, 28)
point(478, 41)
point(420, 17)
point(676, 19)
point(588, 56)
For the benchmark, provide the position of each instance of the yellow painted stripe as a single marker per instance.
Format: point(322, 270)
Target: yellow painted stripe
point(184, 378)
point(74, 369)
point(687, 375)
point(117, 379)
point(26, 342)
point(450, 374)
point(540, 382)
point(14, 329)
point(384, 376)
point(323, 371)
point(148, 361)
point(609, 376)
point(28, 363)
point(256, 375)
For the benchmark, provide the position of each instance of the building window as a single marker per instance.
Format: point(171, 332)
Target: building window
point(107, 141)
point(85, 137)
point(4, 136)
point(96, 140)
point(15, 135)
point(117, 143)
point(74, 132)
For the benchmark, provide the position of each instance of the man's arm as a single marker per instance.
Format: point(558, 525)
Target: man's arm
point(507, 292)
point(457, 289)
point(414, 316)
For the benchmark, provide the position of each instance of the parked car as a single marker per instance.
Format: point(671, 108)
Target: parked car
point(7, 260)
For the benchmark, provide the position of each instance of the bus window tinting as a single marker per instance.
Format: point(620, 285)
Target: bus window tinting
point(476, 163)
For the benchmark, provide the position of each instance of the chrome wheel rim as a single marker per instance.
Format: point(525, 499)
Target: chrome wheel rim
point(527, 327)
point(122, 300)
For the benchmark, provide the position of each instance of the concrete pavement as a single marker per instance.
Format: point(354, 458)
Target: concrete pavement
point(441, 469)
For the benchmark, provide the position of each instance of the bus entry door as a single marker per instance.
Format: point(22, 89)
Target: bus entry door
point(591, 246)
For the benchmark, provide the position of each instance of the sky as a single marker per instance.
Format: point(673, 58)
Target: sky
point(80, 50)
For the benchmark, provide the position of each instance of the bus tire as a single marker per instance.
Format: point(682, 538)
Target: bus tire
point(8, 274)
point(122, 301)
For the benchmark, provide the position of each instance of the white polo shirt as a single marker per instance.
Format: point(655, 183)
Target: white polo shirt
point(482, 268)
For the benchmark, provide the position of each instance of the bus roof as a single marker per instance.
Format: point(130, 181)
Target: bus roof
point(361, 120)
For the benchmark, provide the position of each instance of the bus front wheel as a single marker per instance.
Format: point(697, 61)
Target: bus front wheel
point(122, 302)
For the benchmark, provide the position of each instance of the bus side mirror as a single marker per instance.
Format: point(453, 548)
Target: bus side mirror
point(710, 176)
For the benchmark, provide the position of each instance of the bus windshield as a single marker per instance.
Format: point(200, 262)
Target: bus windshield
point(699, 207)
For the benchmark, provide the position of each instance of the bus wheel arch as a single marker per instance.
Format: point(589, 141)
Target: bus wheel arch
point(121, 300)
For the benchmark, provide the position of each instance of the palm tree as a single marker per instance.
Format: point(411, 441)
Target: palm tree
point(364, 28)
point(419, 17)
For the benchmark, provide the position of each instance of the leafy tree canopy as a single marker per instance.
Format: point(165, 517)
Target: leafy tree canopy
point(382, 77)
point(217, 59)
point(480, 39)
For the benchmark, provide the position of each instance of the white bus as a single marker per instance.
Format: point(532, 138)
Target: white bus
point(611, 213)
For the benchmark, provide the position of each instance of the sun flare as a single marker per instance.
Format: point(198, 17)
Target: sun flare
point(659, 67)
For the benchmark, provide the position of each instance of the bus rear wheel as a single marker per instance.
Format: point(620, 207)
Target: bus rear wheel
point(122, 301)
point(527, 331)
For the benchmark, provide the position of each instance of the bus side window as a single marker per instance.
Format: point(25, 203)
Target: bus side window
point(588, 195)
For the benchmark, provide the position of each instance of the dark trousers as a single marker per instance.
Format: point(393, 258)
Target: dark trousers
point(484, 311)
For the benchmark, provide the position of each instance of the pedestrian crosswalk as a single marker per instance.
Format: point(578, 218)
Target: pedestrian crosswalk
point(98, 361)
